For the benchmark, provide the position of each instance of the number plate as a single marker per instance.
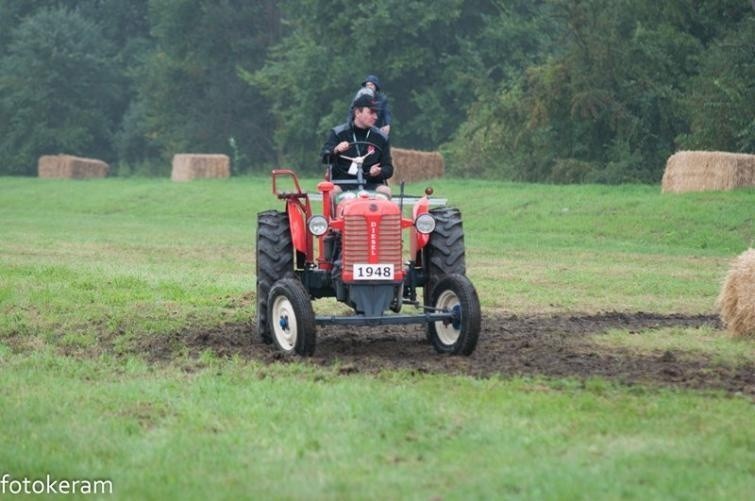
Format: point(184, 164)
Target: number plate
point(373, 271)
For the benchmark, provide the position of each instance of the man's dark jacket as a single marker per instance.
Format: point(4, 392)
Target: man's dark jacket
point(380, 153)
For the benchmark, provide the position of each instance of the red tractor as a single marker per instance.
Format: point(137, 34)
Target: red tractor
point(359, 260)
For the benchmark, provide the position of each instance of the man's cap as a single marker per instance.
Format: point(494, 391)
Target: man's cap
point(364, 101)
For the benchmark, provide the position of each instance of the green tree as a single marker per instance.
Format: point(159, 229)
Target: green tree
point(123, 23)
point(424, 53)
point(190, 96)
point(57, 89)
point(608, 104)
point(537, 90)
point(720, 102)
point(13, 12)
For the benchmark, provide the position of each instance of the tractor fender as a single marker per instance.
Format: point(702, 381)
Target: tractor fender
point(418, 240)
point(298, 225)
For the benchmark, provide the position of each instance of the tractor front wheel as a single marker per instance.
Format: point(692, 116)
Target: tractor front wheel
point(291, 317)
point(455, 293)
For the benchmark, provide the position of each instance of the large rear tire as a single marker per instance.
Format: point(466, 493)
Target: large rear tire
point(455, 293)
point(291, 318)
point(444, 252)
point(275, 260)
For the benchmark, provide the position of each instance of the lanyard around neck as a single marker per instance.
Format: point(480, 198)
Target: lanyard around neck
point(354, 135)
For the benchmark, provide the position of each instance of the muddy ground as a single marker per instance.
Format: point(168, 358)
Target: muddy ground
point(547, 346)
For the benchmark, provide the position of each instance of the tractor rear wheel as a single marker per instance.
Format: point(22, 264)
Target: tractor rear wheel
point(291, 317)
point(275, 260)
point(444, 252)
point(455, 293)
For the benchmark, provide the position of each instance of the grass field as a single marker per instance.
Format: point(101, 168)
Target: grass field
point(90, 270)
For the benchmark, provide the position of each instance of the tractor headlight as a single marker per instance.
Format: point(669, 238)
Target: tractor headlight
point(425, 223)
point(317, 225)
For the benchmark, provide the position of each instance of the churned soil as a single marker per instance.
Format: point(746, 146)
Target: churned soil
point(555, 346)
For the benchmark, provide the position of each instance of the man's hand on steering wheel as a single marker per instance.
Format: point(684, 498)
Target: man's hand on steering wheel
point(341, 147)
point(344, 146)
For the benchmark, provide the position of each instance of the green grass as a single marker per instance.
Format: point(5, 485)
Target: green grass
point(238, 430)
point(146, 255)
point(88, 269)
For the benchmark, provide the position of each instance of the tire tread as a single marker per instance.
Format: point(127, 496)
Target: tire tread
point(274, 251)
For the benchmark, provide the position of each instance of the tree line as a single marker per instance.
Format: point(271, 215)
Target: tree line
point(535, 90)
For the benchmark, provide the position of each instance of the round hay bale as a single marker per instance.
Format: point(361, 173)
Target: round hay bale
point(737, 299)
point(190, 166)
point(70, 167)
point(708, 171)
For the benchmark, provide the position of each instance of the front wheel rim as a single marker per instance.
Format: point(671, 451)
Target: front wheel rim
point(284, 323)
point(448, 331)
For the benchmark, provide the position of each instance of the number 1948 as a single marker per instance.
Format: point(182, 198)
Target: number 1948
point(373, 272)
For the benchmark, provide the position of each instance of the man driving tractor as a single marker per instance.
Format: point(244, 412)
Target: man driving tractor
point(354, 251)
point(357, 144)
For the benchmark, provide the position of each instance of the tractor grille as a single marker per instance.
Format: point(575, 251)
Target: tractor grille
point(361, 246)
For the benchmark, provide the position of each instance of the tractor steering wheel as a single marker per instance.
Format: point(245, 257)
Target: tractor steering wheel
point(359, 182)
